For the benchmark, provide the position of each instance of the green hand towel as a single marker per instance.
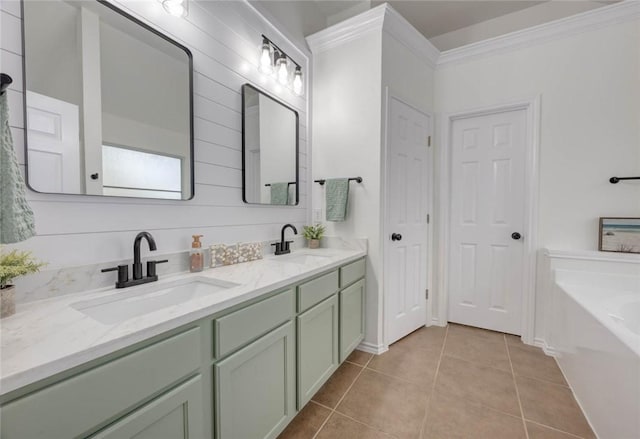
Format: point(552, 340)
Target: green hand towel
point(337, 198)
point(279, 193)
point(16, 217)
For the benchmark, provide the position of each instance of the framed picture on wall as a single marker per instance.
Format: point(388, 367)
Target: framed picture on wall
point(619, 235)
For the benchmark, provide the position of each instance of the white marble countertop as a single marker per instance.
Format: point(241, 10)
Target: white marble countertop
point(49, 336)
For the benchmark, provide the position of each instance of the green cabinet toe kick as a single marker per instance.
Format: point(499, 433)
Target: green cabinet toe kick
point(242, 373)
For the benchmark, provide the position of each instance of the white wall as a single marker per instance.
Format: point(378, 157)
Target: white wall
point(589, 85)
point(224, 38)
point(352, 73)
point(346, 129)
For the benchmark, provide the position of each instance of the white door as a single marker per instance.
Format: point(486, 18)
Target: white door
point(53, 145)
point(487, 220)
point(406, 228)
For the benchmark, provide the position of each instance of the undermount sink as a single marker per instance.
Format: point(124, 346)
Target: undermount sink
point(303, 257)
point(136, 302)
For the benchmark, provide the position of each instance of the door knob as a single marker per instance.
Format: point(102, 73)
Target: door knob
point(516, 235)
point(396, 237)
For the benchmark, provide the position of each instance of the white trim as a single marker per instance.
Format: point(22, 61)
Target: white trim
point(596, 18)
point(589, 255)
point(532, 107)
point(542, 344)
point(397, 26)
point(348, 30)
point(382, 17)
point(371, 348)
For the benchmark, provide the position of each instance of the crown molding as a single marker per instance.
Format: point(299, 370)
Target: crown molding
point(398, 26)
point(596, 18)
point(348, 30)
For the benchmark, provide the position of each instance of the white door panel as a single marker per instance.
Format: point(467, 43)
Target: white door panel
point(407, 195)
point(54, 145)
point(487, 206)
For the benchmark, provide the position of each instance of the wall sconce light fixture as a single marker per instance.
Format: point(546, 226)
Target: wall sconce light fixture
point(177, 8)
point(272, 58)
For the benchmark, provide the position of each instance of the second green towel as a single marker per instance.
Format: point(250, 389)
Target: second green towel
point(337, 198)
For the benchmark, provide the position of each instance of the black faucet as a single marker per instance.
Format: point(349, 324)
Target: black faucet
point(282, 247)
point(123, 270)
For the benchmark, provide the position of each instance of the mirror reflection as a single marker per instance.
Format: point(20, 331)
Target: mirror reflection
point(269, 149)
point(108, 106)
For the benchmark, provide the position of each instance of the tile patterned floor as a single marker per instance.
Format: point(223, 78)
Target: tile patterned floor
point(441, 383)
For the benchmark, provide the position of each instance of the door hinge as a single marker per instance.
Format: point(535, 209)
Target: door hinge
point(426, 294)
point(429, 141)
point(428, 218)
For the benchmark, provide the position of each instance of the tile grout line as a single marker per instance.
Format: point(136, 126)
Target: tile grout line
point(433, 386)
point(554, 429)
point(333, 410)
point(515, 384)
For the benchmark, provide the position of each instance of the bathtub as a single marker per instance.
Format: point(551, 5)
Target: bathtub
point(596, 341)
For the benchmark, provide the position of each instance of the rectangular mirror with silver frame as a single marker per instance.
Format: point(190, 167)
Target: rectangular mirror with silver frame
point(108, 103)
point(269, 150)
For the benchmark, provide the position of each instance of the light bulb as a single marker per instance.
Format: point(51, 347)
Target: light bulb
point(297, 81)
point(177, 8)
point(266, 65)
point(281, 68)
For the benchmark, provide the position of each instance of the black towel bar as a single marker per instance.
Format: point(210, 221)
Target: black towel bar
point(356, 179)
point(615, 180)
point(288, 183)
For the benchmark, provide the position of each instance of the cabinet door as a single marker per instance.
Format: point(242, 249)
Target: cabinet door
point(255, 388)
point(317, 348)
point(175, 415)
point(351, 318)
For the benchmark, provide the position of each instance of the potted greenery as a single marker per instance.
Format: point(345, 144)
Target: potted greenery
point(13, 264)
point(313, 234)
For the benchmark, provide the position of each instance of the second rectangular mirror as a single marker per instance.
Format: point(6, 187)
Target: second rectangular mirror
point(269, 150)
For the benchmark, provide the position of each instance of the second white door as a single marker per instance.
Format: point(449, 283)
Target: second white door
point(487, 221)
point(406, 224)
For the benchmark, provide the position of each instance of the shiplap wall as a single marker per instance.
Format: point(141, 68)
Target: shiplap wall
point(224, 38)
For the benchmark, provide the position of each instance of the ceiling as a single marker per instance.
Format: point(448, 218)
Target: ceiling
point(433, 18)
point(445, 23)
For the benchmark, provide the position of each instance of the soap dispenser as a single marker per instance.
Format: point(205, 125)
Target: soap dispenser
point(196, 256)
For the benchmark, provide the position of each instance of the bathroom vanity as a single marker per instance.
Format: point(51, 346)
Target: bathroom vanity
point(238, 363)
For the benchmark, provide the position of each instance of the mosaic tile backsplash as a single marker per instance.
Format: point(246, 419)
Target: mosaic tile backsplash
point(223, 254)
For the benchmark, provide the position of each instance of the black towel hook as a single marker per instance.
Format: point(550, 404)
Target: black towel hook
point(5, 81)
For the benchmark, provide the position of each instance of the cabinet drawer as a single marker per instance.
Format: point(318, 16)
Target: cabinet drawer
point(351, 273)
point(317, 290)
point(80, 404)
point(240, 327)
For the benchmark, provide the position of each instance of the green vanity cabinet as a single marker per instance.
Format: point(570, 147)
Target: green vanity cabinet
point(84, 403)
point(175, 415)
point(318, 350)
point(242, 373)
point(255, 387)
point(351, 318)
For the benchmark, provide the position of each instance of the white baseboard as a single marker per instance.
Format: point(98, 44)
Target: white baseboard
point(541, 343)
point(436, 322)
point(372, 348)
